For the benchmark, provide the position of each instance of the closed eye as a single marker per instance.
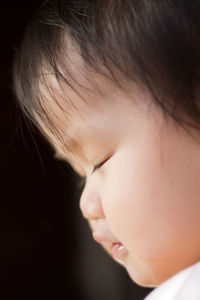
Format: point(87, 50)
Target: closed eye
point(99, 165)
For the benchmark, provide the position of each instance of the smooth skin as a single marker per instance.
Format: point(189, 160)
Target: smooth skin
point(146, 192)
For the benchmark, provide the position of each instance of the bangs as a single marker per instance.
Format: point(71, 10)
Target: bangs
point(148, 43)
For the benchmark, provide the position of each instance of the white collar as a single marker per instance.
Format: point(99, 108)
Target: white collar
point(184, 285)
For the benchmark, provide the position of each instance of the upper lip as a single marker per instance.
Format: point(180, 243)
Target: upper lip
point(102, 233)
point(103, 238)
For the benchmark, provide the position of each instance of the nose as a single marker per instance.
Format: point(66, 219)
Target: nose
point(91, 203)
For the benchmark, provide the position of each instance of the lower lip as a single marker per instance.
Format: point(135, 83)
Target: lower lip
point(118, 251)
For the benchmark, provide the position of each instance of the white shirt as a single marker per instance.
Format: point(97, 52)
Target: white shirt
point(184, 285)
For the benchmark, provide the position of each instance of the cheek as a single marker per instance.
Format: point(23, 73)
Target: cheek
point(130, 197)
point(148, 205)
point(130, 206)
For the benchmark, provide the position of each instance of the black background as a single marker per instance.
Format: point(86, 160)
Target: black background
point(46, 251)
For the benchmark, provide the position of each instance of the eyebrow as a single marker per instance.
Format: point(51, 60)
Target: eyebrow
point(70, 145)
point(72, 163)
point(68, 156)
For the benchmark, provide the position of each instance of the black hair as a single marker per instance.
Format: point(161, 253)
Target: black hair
point(153, 43)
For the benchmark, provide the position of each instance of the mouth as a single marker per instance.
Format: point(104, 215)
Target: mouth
point(115, 248)
point(118, 250)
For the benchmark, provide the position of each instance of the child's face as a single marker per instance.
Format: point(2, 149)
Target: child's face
point(146, 194)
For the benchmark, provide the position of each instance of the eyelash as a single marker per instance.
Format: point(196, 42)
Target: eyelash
point(99, 165)
point(81, 182)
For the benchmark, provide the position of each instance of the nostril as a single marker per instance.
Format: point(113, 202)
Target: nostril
point(90, 211)
point(89, 216)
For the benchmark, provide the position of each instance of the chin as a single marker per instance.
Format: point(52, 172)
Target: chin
point(142, 277)
point(143, 282)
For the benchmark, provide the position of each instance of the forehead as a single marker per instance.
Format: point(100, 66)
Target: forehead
point(79, 104)
point(89, 124)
